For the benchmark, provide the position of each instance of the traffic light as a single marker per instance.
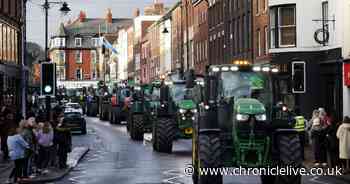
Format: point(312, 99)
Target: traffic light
point(48, 79)
point(299, 77)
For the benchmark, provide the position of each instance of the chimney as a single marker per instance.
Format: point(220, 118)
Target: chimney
point(109, 16)
point(82, 16)
point(136, 12)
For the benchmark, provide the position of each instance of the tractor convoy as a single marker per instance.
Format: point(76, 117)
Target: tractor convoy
point(230, 114)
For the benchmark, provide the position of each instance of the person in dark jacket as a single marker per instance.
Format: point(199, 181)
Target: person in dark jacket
point(4, 128)
point(63, 141)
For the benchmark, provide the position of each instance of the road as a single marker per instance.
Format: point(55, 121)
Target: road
point(115, 159)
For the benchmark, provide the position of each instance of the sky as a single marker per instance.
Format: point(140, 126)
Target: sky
point(93, 9)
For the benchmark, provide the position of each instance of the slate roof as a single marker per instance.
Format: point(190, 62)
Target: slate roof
point(91, 27)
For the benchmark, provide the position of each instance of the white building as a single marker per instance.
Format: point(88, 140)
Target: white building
point(296, 35)
point(122, 61)
point(165, 46)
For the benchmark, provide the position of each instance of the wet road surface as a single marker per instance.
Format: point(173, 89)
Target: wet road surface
point(115, 159)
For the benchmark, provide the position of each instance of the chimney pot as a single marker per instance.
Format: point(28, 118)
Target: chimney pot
point(82, 16)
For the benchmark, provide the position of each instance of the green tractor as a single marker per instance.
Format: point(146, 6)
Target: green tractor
point(139, 120)
point(239, 125)
point(174, 115)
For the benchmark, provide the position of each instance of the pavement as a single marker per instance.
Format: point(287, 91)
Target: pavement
point(54, 174)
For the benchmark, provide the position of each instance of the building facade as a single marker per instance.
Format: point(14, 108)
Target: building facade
point(177, 38)
point(296, 36)
point(260, 13)
point(10, 51)
point(141, 23)
point(200, 10)
point(77, 47)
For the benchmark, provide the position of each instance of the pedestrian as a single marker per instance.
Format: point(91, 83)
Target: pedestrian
point(29, 136)
point(63, 141)
point(332, 142)
point(17, 148)
point(4, 128)
point(45, 142)
point(317, 136)
point(343, 134)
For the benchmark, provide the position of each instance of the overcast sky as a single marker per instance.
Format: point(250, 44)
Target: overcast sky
point(93, 9)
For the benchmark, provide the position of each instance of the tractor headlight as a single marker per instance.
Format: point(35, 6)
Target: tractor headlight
point(138, 88)
point(162, 105)
point(234, 68)
point(225, 69)
point(206, 107)
point(182, 111)
point(242, 117)
point(183, 118)
point(168, 83)
point(260, 117)
point(194, 111)
point(216, 69)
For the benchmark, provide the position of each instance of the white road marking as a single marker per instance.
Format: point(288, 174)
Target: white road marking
point(315, 180)
point(175, 175)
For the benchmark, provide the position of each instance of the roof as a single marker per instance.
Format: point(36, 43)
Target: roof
point(91, 27)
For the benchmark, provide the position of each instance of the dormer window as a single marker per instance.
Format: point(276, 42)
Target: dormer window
point(78, 42)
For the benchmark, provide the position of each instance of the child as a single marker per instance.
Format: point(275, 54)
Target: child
point(343, 134)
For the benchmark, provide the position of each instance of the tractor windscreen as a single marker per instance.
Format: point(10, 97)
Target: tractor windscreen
point(178, 91)
point(248, 85)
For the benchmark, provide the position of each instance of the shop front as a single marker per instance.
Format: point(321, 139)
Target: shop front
point(323, 81)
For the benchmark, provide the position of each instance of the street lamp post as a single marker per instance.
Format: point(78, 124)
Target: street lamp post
point(64, 9)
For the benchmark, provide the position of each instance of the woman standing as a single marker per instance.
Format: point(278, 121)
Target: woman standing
point(317, 136)
point(63, 141)
point(17, 147)
point(343, 135)
point(45, 142)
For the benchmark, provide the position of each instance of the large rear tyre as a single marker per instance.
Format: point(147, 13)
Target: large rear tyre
point(209, 155)
point(136, 127)
point(164, 134)
point(289, 155)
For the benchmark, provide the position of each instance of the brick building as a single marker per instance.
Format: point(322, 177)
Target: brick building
point(200, 10)
point(177, 45)
point(76, 47)
point(141, 23)
point(10, 51)
point(260, 31)
point(230, 31)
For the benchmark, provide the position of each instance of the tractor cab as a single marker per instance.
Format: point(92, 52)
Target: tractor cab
point(234, 127)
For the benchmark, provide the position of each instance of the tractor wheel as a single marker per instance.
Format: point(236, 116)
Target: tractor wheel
point(136, 131)
point(165, 131)
point(289, 155)
point(209, 155)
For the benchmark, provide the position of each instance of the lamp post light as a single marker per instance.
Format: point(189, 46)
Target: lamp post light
point(65, 10)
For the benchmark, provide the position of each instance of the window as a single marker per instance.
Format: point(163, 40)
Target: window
point(79, 74)
point(93, 57)
point(264, 3)
point(78, 42)
point(62, 57)
point(283, 26)
point(95, 42)
point(78, 56)
point(94, 73)
point(258, 37)
point(257, 6)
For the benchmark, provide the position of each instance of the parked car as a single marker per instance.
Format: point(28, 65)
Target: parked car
point(75, 121)
point(73, 107)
